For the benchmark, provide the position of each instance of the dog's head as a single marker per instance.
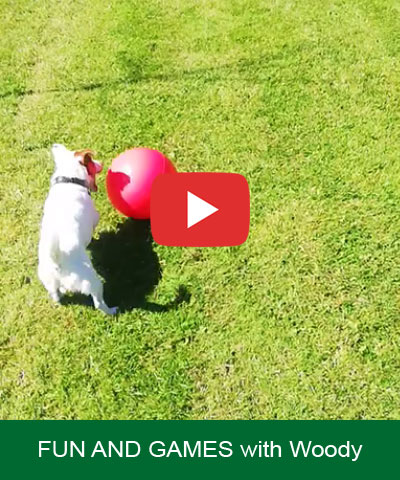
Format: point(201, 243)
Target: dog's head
point(78, 164)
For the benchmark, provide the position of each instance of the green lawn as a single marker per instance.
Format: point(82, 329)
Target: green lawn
point(300, 96)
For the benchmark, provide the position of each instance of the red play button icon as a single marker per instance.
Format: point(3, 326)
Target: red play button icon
point(200, 209)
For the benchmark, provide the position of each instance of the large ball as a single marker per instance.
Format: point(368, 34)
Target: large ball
point(130, 177)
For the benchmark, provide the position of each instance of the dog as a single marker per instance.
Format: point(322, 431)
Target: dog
point(68, 223)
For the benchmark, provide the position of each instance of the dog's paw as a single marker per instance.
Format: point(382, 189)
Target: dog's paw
point(55, 297)
point(112, 310)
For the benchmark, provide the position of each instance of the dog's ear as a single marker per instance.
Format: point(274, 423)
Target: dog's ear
point(84, 156)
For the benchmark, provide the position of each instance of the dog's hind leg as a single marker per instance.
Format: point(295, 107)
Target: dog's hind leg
point(48, 275)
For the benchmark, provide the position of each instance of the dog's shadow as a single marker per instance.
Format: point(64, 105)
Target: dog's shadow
point(130, 267)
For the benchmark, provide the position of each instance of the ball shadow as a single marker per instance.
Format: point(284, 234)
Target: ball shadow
point(130, 267)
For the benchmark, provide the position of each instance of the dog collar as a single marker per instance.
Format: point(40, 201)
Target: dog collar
point(74, 180)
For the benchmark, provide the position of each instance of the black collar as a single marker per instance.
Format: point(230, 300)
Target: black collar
point(74, 180)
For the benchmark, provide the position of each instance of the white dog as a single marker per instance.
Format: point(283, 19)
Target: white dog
point(69, 220)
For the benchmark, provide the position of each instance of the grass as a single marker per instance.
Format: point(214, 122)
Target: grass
point(302, 97)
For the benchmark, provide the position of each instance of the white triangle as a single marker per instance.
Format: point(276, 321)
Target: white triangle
point(198, 209)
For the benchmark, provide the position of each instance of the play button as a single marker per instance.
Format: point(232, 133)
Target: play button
point(198, 209)
point(181, 201)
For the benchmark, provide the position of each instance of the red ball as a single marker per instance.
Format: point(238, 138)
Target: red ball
point(130, 177)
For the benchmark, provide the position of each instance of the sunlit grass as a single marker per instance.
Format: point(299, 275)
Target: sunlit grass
point(301, 97)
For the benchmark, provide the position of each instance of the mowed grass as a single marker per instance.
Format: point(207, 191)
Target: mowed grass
point(303, 98)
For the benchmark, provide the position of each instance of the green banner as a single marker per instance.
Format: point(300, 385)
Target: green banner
point(215, 449)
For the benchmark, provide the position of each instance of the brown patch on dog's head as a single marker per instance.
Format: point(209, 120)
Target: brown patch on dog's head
point(85, 158)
